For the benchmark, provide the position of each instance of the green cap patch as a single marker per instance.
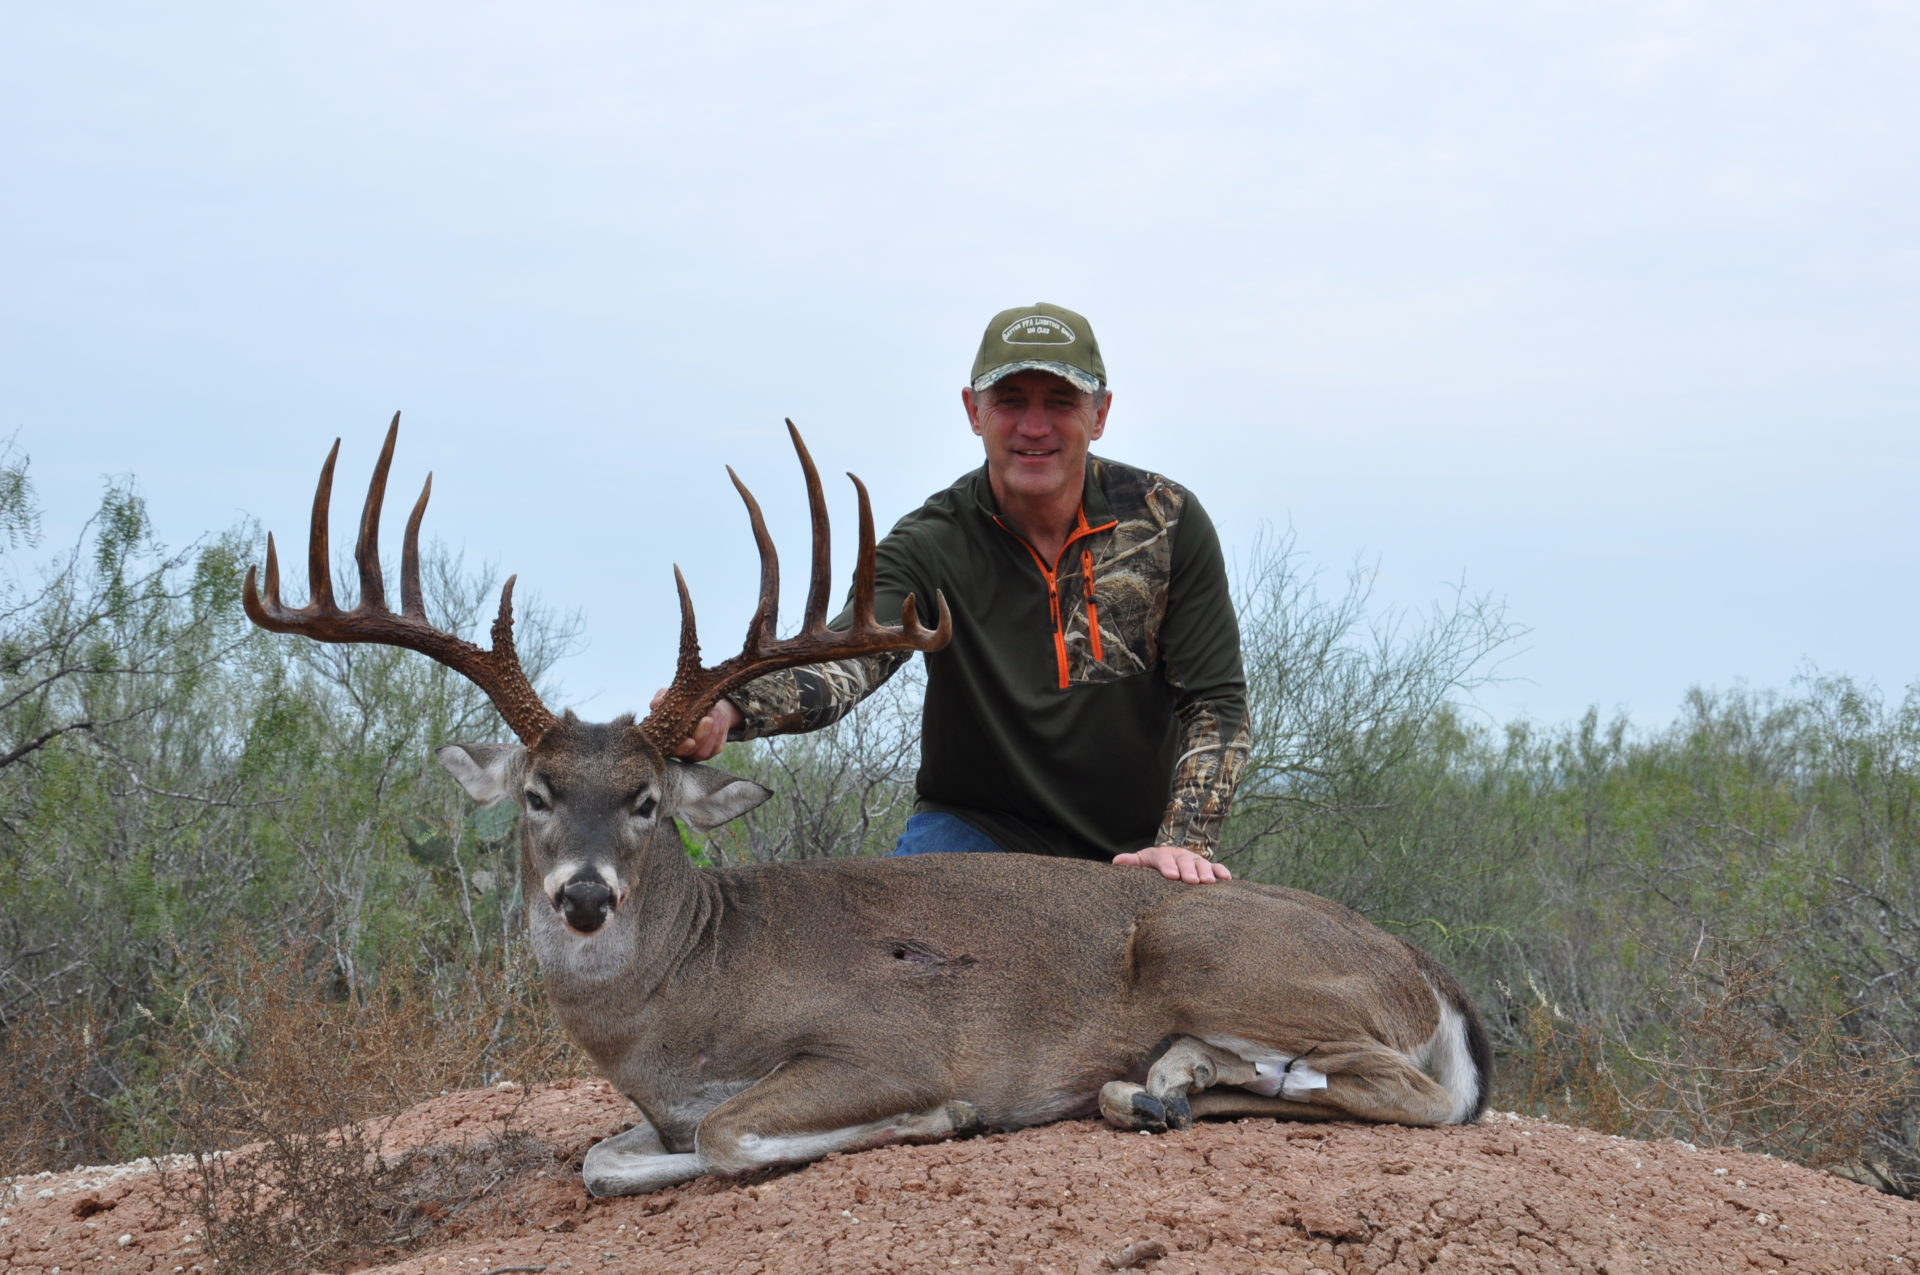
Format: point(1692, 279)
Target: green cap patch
point(1041, 338)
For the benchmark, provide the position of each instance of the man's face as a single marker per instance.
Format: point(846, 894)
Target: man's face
point(1037, 428)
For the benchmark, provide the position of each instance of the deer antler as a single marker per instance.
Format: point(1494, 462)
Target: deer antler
point(696, 689)
point(496, 671)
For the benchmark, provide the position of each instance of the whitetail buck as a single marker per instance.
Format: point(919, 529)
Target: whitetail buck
point(773, 1014)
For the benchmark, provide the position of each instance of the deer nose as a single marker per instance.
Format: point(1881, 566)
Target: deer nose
point(586, 904)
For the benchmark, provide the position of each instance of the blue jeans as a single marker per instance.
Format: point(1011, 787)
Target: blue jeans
point(934, 832)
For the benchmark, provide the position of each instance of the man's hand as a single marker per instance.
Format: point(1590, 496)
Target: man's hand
point(710, 733)
point(1176, 863)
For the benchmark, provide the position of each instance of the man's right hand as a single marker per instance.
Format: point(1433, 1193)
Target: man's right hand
point(1177, 863)
point(709, 733)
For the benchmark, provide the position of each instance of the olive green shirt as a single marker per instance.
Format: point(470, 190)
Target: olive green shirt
point(1086, 707)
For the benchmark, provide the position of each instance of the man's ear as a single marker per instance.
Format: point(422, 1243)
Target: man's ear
point(973, 407)
point(710, 796)
point(489, 772)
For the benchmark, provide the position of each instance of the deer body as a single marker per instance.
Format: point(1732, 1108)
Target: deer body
point(761, 1014)
point(774, 1014)
point(936, 975)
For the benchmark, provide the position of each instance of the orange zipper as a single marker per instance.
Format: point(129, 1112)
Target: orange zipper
point(1051, 575)
point(1093, 608)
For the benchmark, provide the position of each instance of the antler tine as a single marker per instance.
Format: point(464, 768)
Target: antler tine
point(689, 661)
point(502, 632)
point(696, 689)
point(942, 631)
point(366, 548)
point(273, 574)
point(496, 671)
point(863, 622)
point(319, 570)
point(766, 612)
point(412, 602)
point(686, 701)
point(863, 562)
point(815, 622)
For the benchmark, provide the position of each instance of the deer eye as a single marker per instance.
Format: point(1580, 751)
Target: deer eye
point(535, 802)
point(645, 808)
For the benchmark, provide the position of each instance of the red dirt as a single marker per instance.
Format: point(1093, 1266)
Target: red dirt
point(1512, 1194)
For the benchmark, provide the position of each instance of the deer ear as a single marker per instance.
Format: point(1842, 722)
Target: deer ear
point(486, 771)
point(710, 797)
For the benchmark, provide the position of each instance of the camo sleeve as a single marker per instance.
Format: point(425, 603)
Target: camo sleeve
point(797, 700)
point(1200, 639)
point(1204, 778)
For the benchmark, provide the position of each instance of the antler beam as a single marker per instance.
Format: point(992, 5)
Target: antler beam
point(696, 689)
point(496, 671)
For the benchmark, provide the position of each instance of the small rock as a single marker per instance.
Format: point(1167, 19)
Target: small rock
point(1138, 1253)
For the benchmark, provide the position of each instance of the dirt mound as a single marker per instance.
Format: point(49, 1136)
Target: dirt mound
point(1511, 1194)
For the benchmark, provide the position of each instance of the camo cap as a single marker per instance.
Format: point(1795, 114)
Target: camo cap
point(1040, 338)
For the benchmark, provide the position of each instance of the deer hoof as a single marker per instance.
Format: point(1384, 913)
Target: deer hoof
point(1179, 1112)
point(963, 1116)
point(1128, 1106)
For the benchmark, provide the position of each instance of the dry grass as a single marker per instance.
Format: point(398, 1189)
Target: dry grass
point(1563, 1065)
point(278, 1071)
point(279, 1029)
point(1753, 1063)
point(271, 1074)
point(52, 1069)
point(265, 1070)
point(258, 1027)
point(1735, 1057)
point(307, 1197)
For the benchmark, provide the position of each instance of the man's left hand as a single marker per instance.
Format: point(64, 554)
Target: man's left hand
point(1176, 863)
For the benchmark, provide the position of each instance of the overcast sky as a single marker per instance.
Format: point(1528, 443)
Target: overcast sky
point(1609, 308)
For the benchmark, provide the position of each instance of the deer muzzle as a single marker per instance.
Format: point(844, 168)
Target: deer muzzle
point(585, 903)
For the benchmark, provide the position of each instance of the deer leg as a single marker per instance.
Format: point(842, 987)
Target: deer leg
point(635, 1162)
point(1189, 1066)
point(1229, 1103)
point(806, 1109)
point(812, 1107)
point(1364, 1081)
point(1337, 1081)
point(1370, 1081)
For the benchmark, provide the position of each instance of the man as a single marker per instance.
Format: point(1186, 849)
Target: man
point(1092, 702)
